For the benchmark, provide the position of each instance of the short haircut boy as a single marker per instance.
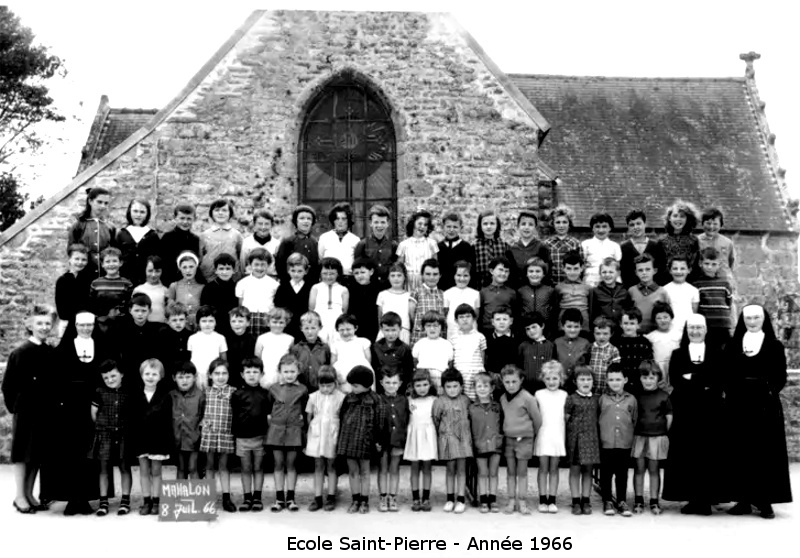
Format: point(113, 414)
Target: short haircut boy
point(176, 309)
point(633, 313)
point(573, 257)
point(453, 217)
point(367, 263)
point(253, 362)
point(297, 260)
point(279, 314)
point(141, 299)
point(571, 315)
point(538, 262)
point(503, 310)
point(391, 319)
point(186, 367)
point(679, 258)
point(452, 375)
point(709, 253)
point(109, 365)
point(499, 260)
point(77, 247)
point(110, 251)
point(529, 213)
point(643, 259)
point(634, 214)
point(304, 209)
point(260, 254)
point(184, 208)
point(610, 262)
point(601, 217)
point(602, 322)
point(712, 213)
point(312, 317)
point(511, 370)
point(430, 262)
point(239, 312)
point(378, 210)
point(288, 360)
point(264, 214)
point(224, 259)
point(462, 309)
point(433, 317)
point(531, 318)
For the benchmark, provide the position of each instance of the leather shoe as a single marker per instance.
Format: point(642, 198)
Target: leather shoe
point(742, 508)
point(29, 509)
point(766, 511)
point(693, 508)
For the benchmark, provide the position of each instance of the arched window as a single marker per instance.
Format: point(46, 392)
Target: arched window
point(348, 152)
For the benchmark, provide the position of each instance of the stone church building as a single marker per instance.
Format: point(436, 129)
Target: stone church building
point(407, 110)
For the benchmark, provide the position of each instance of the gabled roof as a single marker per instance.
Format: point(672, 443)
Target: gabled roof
point(621, 143)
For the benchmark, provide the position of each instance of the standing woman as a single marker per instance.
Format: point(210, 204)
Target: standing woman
point(137, 242)
point(92, 228)
point(755, 375)
point(25, 388)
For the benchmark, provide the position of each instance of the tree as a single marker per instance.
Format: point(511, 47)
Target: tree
point(11, 201)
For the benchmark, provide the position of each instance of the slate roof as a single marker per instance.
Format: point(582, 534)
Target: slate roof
point(620, 143)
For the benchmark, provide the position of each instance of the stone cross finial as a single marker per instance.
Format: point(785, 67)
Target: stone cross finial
point(749, 58)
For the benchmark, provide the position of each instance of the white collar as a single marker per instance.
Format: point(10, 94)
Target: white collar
point(697, 352)
point(751, 342)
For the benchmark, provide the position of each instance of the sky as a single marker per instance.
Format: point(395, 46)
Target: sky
point(141, 54)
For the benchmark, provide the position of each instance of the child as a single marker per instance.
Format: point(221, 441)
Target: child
point(427, 298)
point(322, 413)
point(633, 347)
point(712, 221)
point(188, 409)
point(394, 436)
point(484, 418)
point(583, 443)
point(112, 414)
point(363, 297)
point(682, 296)
point(432, 352)
point(263, 222)
point(636, 245)
point(572, 292)
point(109, 295)
point(152, 426)
point(72, 288)
point(303, 242)
point(293, 294)
point(521, 422)
point(187, 291)
point(534, 351)
point(241, 343)
point(133, 337)
point(220, 292)
point(312, 352)
point(219, 238)
point(250, 408)
point(453, 250)
point(663, 339)
point(137, 242)
point(256, 292)
point(329, 298)
point(496, 294)
point(602, 353)
point(396, 299)
point(177, 241)
point(549, 446)
point(174, 338)
point(469, 348)
point(571, 349)
point(461, 293)
point(421, 444)
point(389, 353)
point(618, 413)
point(528, 246)
point(287, 401)
point(273, 345)
point(716, 295)
point(92, 228)
point(349, 351)
point(538, 297)
point(206, 345)
point(417, 247)
point(680, 222)
point(502, 345)
point(609, 298)
point(647, 292)
point(217, 436)
point(339, 242)
point(378, 246)
point(154, 289)
point(599, 247)
point(650, 441)
point(362, 418)
point(488, 246)
point(561, 243)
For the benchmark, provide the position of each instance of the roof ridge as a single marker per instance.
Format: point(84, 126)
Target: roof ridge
point(628, 78)
point(126, 110)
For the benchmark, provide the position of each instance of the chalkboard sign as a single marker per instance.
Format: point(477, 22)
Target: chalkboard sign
point(188, 500)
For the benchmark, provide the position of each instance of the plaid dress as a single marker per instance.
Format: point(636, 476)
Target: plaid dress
point(218, 420)
point(599, 360)
point(426, 299)
point(486, 249)
point(559, 247)
point(362, 417)
point(112, 424)
point(451, 418)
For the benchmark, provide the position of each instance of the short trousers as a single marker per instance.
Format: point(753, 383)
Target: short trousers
point(650, 447)
point(255, 444)
point(487, 455)
point(520, 447)
point(395, 452)
point(153, 456)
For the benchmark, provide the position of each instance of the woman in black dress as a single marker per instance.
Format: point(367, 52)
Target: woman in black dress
point(755, 375)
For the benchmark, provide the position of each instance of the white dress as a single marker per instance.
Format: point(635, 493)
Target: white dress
point(398, 303)
point(421, 442)
point(329, 307)
point(349, 354)
point(323, 432)
point(550, 438)
point(270, 348)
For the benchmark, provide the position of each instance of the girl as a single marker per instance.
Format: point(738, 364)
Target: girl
point(219, 238)
point(323, 432)
point(421, 442)
point(396, 299)
point(217, 438)
point(339, 242)
point(417, 247)
point(92, 230)
point(664, 340)
point(273, 345)
point(680, 221)
point(262, 237)
point(153, 288)
point(24, 389)
point(487, 435)
point(137, 241)
point(152, 440)
point(433, 352)
point(362, 417)
point(287, 400)
point(549, 444)
point(583, 442)
point(206, 345)
point(187, 291)
point(561, 243)
point(451, 418)
point(349, 351)
point(328, 298)
point(488, 245)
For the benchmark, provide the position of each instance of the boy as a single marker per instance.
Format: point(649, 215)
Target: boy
point(363, 298)
point(377, 246)
point(682, 296)
point(293, 294)
point(178, 240)
point(602, 354)
point(389, 353)
point(636, 245)
point(206, 345)
point(571, 349)
point(716, 295)
point(109, 295)
point(220, 292)
point(469, 348)
point(263, 221)
point(534, 351)
point(310, 350)
point(72, 288)
point(188, 408)
point(250, 407)
point(538, 297)
point(133, 337)
point(256, 292)
point(393, 436)
point(502, 344)
point(618, 415)
point(647, 292)
point(302, 242)
point(633, 346)
point(609, 298)
point(461, 293)
point(452, 250)
point(712, 222)
point(173, 338)
point(487, 437)
point(599, 247)
point(425, 299)
point(521, 422)
point(526, 247)
point(572, 292)
point(241, 343)
point(561, 243)
point(495, 295)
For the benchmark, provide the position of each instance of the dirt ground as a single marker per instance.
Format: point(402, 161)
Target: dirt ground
point(671, 534)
